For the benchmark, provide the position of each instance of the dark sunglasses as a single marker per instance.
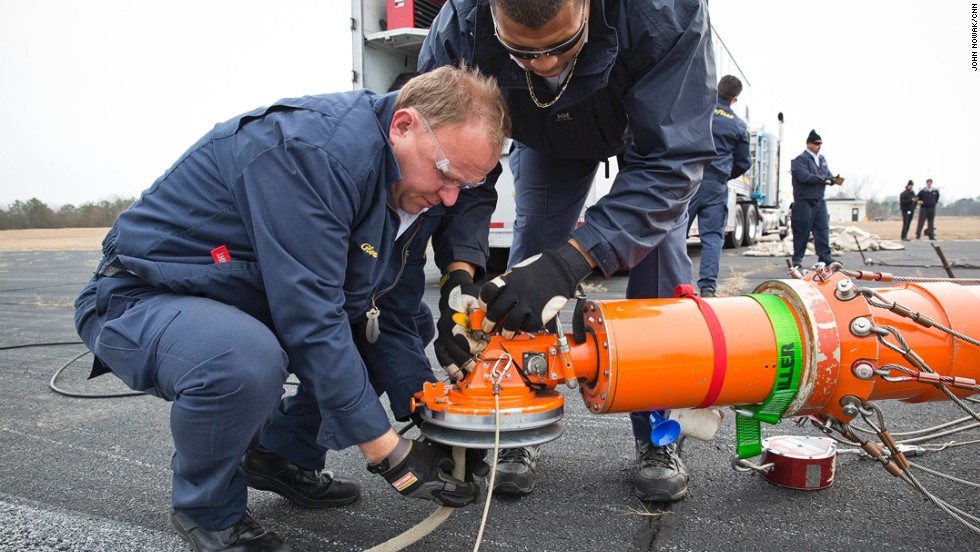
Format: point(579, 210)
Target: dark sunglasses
point(556, 51)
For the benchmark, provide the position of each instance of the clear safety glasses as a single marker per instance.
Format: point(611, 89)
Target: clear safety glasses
point(442, 163)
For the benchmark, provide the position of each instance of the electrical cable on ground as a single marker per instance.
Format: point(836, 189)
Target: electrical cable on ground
point(52, 383)
point(48, 344)
point(54, 386)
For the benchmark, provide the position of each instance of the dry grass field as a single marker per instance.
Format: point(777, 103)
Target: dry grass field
point(947, 228)
point(52, 239)
point(48, 239)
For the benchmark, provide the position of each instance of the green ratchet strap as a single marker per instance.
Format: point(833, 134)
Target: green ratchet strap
point(789, 362)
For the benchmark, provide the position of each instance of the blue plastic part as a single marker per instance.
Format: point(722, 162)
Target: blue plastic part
point(663, 431)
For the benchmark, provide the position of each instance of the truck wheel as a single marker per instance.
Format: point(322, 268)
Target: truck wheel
point(734, 238)
point(752, 227)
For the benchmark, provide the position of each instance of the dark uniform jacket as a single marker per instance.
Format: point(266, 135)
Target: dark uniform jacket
point(643, 85)
point(809, 176)
point(906, 200)
point(929, 198)
point(732, 144)
point(300, 195)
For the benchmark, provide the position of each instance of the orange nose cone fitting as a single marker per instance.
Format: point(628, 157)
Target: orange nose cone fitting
point(466, 414)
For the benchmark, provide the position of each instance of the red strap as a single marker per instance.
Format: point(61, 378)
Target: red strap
point(717, 343)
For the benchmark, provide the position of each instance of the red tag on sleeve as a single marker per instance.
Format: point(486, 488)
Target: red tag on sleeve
point(220, 254)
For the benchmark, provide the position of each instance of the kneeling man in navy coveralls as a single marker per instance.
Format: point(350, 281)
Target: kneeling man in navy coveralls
point(291, 240)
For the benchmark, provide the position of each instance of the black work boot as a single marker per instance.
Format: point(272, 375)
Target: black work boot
point(660, 474)
point(708, 292)
point(307, 488)
point(245, 536)
point(515, 470)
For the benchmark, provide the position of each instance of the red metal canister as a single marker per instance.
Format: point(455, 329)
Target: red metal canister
point(805, 463)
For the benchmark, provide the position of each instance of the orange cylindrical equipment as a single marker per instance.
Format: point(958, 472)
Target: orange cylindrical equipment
point(649, 354)
point(662, 353)
point(658, 354)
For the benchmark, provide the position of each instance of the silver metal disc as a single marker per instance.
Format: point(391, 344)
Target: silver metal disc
point(484, 439)
point(510, 419)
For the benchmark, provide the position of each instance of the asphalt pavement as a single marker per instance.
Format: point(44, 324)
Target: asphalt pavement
point(93, 474)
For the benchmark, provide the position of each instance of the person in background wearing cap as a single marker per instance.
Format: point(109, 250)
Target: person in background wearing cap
point(907, 202)
point(810, 177)
point(928, 199)
point(710, 204)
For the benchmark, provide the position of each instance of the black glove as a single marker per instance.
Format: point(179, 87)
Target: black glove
point(423, 470)
point(455, 345)
point(534, 291)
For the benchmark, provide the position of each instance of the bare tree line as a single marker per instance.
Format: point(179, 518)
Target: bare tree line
point(883, 204)
point(34, 213)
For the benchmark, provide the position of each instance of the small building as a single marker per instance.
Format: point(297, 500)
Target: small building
point(844, 209)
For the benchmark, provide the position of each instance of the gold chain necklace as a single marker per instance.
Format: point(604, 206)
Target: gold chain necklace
point(530, 87)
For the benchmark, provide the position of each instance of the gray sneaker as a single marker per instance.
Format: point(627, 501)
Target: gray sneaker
point(660, 474)
point(515, 470)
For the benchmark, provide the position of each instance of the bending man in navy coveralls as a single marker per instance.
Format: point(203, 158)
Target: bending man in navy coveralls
point(710, 204)
point(810, 178)
point(585, 80)
point(291, 239)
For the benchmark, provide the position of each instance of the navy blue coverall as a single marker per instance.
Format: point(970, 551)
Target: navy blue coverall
point(927, 213)
point(257, 255)
point(710, 204)
point(907, 204)
point(809, 208)
point(643, 89)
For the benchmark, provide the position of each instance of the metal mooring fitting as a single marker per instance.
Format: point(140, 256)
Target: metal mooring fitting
point(846, 290)
point(850, 406)
point(863, 369)
point(861, 327)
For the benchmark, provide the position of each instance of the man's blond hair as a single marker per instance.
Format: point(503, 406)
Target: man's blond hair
point(457, 95)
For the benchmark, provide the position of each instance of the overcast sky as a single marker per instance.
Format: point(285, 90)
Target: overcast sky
point(99, 97)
